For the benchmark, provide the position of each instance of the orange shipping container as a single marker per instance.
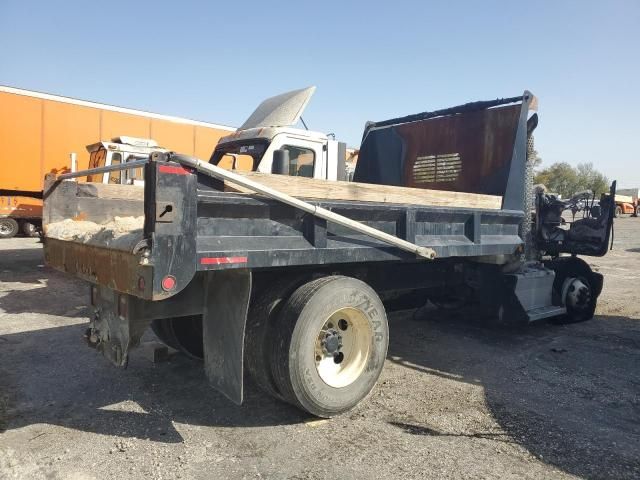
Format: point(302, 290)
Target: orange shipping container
point(39, 131)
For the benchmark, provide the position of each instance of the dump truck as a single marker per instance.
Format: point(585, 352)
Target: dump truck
point(39, 132)
point(291, 278)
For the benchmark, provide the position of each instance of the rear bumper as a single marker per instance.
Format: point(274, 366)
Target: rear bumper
point(118, 270)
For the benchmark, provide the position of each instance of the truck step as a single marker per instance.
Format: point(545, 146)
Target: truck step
point(540, 313)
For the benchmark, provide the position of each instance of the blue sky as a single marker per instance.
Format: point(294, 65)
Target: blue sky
point(371, 60)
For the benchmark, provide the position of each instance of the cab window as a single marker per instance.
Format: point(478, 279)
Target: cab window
point(301, 161)
point(236, 161)
point(241, 156)
point(133, 174)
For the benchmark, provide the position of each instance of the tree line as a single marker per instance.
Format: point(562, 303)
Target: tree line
point(566, 180)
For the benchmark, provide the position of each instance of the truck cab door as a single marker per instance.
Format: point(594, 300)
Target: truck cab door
point(584, 229)
point(99, 158)
point(105, 158)
point(306, 157)
point(115, 177)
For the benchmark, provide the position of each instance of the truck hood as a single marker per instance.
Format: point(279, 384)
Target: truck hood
point(280, 111)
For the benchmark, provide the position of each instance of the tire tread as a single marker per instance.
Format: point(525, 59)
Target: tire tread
point(282, 337)
point(15, 227)
point(258, 333)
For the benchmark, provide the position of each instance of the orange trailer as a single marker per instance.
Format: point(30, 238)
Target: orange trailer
point(38, 132)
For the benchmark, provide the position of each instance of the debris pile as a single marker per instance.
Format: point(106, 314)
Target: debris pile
point(120, 233)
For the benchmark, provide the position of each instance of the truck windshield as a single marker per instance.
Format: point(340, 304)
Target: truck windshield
point(243, 156)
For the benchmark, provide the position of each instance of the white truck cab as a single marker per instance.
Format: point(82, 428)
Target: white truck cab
point(270, 129)
point(119, 150)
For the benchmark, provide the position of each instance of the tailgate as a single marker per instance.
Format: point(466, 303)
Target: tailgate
point(132, 239)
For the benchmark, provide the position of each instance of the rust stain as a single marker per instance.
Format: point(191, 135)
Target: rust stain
point(116, 269)
point(484, 140)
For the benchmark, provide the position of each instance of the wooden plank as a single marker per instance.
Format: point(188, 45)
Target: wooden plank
point(311, 188)
point(99, 190)
point(104, 210)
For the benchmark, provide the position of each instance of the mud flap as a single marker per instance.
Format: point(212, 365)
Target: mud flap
point(226, 305)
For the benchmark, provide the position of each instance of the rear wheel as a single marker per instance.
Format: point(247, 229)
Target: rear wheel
point(579, 300)
point(8, 227)
point(181, 333)
point(329, 345)
point(162, 329)
point(618, 212)
point(577, 287)
point(259, 333)
point(29, 229)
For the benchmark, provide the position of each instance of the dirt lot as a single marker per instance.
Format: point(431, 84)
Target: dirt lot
point(456, 400)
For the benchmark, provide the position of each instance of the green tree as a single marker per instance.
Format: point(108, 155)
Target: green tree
point(566, 180)
point(591, 179)
point(558, 178)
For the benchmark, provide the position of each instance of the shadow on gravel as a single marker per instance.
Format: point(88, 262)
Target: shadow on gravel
point(30, 254)
point(567, 393)
point(633, 250)
point(48, 293)
point(414, 429)
point(41, 289)
point(50, 376)
point(21, 265)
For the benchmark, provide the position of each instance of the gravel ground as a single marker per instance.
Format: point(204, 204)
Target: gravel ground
point(456, 400)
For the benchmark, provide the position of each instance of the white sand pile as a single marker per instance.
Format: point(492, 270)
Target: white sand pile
point(121, 232)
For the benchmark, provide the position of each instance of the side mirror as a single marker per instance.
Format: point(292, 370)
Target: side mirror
point(280, 163)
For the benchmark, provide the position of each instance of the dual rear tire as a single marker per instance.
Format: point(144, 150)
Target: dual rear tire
point(29, 229)
point(323, 347)
point(181, 333)
point(9, 228)
point(320, 346)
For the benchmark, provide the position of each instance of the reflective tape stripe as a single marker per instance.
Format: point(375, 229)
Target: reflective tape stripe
point(222, 260)
point(174, 170)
